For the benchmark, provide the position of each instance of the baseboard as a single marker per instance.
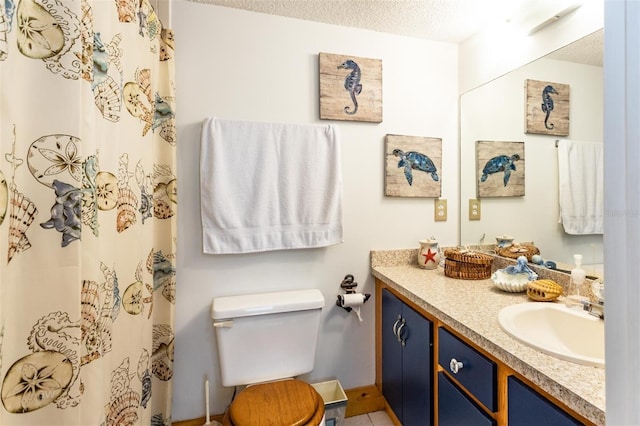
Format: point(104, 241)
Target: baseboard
point(363, 400)
point(197, 422)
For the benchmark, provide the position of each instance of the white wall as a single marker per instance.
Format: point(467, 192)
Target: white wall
point(496, 112)
point(242, 65)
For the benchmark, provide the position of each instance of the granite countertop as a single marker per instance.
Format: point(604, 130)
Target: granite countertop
point(471, 308)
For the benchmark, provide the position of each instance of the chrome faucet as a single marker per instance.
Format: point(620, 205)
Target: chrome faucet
point(594, 308)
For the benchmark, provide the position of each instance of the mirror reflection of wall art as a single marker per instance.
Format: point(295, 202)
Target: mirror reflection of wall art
point(350, 88)
point(547, 108)
point(500, 169)
point(413, 166)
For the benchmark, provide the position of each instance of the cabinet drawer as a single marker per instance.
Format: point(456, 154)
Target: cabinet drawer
point(527, 407)
point(475, 372)
point(456, 409)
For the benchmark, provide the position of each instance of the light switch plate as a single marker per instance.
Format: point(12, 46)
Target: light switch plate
point(474, 209)
point(440, 210)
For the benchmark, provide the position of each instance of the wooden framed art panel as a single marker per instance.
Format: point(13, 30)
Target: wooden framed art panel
point(350, 88)
point(499, 169)
point(547, 106)
point(413, 166)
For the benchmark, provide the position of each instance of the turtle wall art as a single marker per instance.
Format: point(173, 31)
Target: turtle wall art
point(350, 88)
point(547, 107)
point(413, 166)
point(499, 169)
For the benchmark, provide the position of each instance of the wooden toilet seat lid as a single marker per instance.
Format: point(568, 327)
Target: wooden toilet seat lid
point(288, 402)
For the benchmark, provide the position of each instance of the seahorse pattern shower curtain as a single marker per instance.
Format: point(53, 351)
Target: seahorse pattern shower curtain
point(87, 213)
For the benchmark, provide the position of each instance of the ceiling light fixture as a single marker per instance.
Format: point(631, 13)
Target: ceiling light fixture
point(554, 18)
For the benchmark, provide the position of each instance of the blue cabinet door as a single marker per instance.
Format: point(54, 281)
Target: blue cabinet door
point(529, 408)
point(391, 352)
point(407, 376)
point(417, 368)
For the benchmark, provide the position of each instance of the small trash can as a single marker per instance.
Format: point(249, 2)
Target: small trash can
point(335, 401)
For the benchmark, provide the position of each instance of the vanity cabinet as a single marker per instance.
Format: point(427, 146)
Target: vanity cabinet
point(432, 375)
point(527, 407)
point(407, 361)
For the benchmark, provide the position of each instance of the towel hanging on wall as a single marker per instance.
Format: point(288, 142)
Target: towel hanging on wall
point(581, 186)
point(269, 186)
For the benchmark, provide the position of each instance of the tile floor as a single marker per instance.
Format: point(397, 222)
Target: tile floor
point(377, 418)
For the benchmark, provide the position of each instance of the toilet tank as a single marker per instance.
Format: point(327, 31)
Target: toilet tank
point(267, 336)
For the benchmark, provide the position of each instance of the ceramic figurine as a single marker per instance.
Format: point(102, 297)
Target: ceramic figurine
point(504, 241)
point(521, 267)
point(538, 260)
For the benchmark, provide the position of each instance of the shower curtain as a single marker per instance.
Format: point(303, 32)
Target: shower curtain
point(87, 213)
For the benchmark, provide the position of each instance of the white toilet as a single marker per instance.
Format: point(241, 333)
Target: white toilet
point(265, 341)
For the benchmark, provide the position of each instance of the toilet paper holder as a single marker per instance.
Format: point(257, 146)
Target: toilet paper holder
point(348, 284)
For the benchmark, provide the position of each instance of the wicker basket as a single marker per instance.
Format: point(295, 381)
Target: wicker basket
point(467, 265)
point(516, 250)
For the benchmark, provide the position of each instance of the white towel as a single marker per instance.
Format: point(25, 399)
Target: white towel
point(269, 186)
point(581, 187)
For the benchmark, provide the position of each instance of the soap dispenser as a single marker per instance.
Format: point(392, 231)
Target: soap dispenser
point(576, 293)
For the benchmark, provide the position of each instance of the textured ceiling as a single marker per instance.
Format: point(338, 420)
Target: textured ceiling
point(440, 20)
point(587, 50)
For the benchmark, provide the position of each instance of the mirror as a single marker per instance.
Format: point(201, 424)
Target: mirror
point(496, 111)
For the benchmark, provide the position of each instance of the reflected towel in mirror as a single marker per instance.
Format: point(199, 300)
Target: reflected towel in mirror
point(581, 187)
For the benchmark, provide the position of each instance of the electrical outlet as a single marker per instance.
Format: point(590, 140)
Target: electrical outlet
point(474, 209)
point(440, 210)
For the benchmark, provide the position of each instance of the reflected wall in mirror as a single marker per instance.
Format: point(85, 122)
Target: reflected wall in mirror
point(494, 111)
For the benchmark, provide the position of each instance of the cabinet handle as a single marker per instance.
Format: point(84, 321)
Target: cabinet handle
point(395, 326)
point(455, 365)
point(401, 339)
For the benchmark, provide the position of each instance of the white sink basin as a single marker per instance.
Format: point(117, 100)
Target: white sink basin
point(553, 328)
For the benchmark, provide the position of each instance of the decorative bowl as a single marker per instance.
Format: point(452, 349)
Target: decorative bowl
point(512, 283)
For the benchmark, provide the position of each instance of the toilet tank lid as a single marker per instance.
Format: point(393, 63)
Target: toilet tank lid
point(227, 307)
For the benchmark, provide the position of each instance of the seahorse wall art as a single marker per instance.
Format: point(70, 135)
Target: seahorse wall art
point(350, 88)
point(500, 169)
point(547, 106)
point(352, 84)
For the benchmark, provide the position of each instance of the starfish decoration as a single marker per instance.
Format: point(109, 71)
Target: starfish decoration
point(430, 256)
